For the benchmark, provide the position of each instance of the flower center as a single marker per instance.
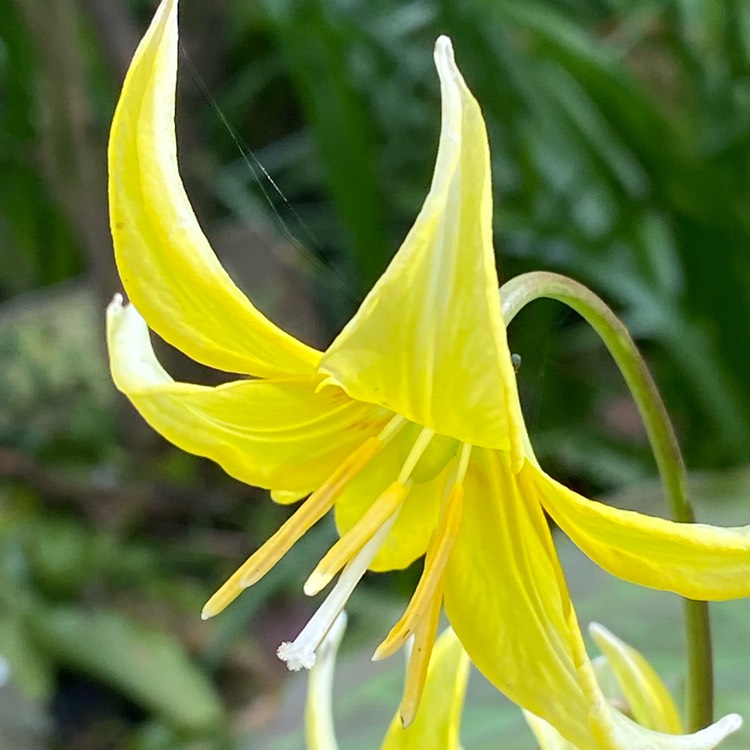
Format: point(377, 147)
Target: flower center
point(435, 457)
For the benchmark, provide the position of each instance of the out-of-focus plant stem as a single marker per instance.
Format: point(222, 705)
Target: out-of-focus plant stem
point(515, 295)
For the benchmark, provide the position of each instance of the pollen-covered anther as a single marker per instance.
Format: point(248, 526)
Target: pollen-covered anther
point(429, 588)
point(419, 660)
point(388, 503)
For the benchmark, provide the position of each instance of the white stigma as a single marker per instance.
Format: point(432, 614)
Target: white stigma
point(301, 652)
point(295, 657)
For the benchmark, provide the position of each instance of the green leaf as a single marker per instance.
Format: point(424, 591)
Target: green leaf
point(315, 39)
point(148, 666)
point(30, 667)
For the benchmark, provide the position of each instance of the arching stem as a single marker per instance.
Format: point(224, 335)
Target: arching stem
point(515, 295)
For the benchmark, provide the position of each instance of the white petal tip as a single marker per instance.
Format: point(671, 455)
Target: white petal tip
point(597, 630)
point(731, 722)
point(295, 657)
point(444, 56)
point(116, 307)
point(443, 45)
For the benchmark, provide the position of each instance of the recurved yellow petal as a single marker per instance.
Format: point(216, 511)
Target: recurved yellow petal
point(438, 719)
point(624, 734)
point(507, 601)
point(429, 342)
point(647, 696)
point(266, 433)
point(165, 262)
point(694, 560)
point(617, 732)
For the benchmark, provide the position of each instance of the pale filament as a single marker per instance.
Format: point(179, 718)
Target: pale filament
point(387, 503)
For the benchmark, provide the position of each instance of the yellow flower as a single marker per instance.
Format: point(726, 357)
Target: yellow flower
point(636, 688)
point(408, 425)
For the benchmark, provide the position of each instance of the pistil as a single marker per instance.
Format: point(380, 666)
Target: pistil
point(301, 653)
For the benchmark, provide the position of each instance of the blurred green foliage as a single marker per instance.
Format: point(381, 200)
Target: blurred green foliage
point(620, 134)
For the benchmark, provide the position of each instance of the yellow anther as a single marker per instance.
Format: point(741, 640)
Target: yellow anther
point(419, 660)
point(313, 509)
point(429, 587)
point(356, 537)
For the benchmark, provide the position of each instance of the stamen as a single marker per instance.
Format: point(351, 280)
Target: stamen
point(430, 583)
point(463, 463)
point(419, 447)
point(295, 527)
point(384, 506)
point(356, 537)
point(301, 652)
point(419, 660)
point(390, 430)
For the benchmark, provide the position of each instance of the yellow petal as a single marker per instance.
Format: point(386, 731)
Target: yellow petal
point(546, 735)
point(647, 696)
point(617, 732)
point(266, 433)
point(438, 720)
point(507, 601)
point(167, 266)
point(410, 534)
point(694, 560)
point(429, 341)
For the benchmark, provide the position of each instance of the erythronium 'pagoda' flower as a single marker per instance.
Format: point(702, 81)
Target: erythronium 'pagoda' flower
point(408, 425)
point(631, 684)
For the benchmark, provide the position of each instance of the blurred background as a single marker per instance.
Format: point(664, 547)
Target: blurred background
point(620, 134)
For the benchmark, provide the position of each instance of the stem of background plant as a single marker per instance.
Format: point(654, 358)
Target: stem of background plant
point(515, 295)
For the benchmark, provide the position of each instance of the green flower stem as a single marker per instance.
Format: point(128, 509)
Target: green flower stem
point(515, 295)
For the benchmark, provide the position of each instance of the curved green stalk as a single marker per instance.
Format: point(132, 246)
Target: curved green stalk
point(515, 295)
